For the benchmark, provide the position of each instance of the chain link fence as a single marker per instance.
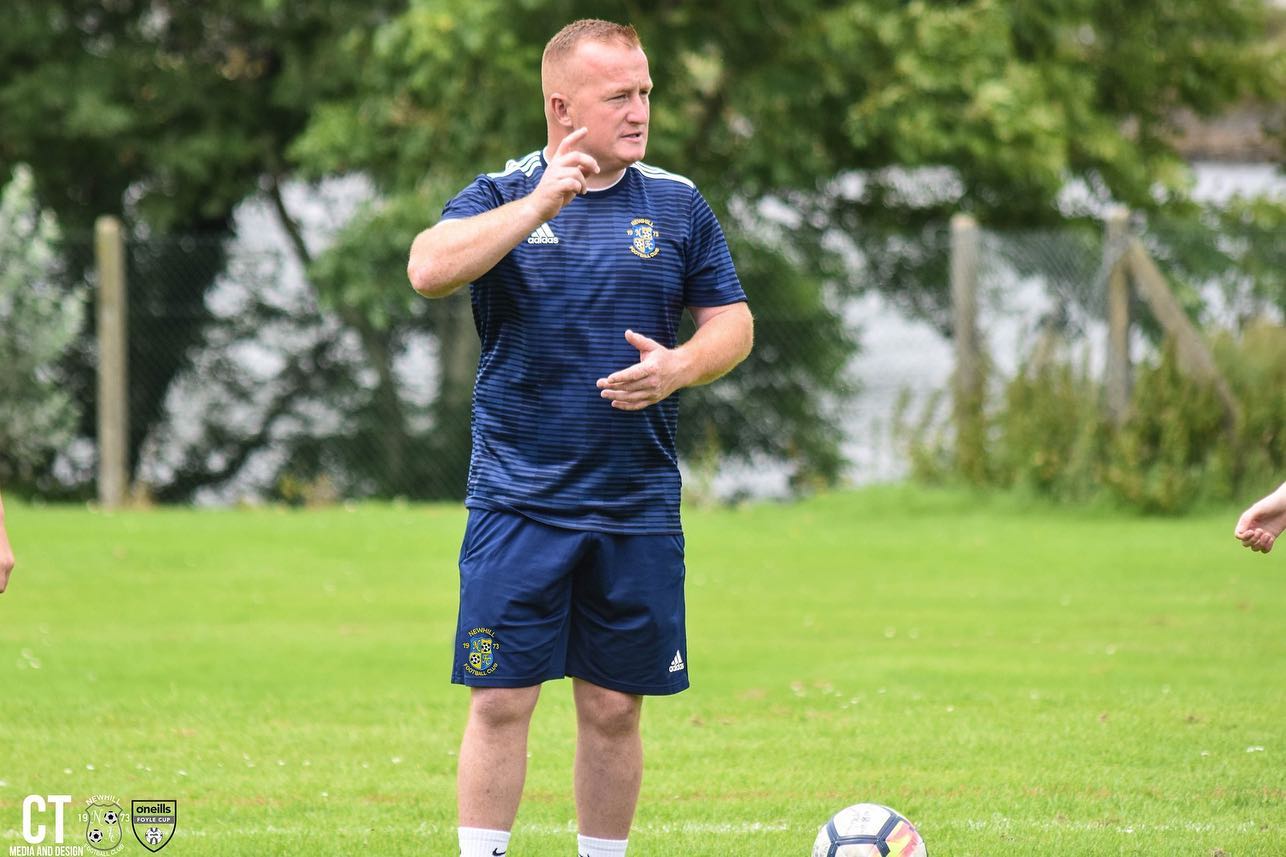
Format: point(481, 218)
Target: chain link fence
point(247, 384)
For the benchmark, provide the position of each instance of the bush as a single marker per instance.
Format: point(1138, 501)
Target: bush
point(1174, 446)
point(1255, 366)
point(1048, 432)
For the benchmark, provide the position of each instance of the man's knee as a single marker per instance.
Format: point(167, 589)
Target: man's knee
point(501, 707)
point(608, 712)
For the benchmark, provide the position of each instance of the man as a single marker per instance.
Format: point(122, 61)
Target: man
point(1261, 524)
point(581, 262)
point(6, 552)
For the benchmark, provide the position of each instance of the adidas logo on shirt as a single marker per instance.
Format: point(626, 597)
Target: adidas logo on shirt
point(677, 663)
point(542, 235)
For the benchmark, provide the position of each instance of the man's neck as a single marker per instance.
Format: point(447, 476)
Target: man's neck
point(602, 181)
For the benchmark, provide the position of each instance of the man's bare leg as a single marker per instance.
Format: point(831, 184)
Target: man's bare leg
point(609, 760)
point(493, 756)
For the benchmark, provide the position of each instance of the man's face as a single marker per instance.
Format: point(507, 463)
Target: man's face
point(609, 87)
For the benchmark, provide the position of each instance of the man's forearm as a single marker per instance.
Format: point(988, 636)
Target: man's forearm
point(456, 252)
point(717, 346)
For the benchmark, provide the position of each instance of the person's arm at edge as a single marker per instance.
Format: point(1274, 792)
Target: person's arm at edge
point(6, 552)
point(723, 338)
point(1261, 524)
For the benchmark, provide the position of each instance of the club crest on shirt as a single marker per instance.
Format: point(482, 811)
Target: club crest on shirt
point(482, 652)
point(643, 235)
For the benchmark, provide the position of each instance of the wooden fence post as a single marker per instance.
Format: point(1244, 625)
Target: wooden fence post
point(1117, 375)
point(967, 386)
point(113, 389)
point(1194, 356)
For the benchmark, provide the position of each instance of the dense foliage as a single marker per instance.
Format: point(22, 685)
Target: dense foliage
point(173, 114)
point(41, 324)
point(1048, 434)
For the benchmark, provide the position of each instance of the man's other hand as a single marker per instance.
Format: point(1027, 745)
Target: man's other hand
point(658, 373)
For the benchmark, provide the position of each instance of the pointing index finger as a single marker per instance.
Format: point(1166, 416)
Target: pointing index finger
point(570, 141)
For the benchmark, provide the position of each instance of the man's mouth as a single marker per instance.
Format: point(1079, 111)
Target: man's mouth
point(636, 136)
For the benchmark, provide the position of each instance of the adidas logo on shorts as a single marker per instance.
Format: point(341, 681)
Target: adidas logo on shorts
point(542, 235)
point(677, 663)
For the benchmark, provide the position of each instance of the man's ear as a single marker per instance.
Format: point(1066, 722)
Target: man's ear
point(558, 109)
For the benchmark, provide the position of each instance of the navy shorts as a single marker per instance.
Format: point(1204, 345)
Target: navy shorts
point(539, 602)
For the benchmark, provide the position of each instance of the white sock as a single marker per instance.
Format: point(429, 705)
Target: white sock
point(480, 842)
point(588, 846)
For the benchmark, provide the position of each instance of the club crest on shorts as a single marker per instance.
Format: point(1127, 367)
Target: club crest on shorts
point(644, 234)
point(482, 652)
point(154, 822)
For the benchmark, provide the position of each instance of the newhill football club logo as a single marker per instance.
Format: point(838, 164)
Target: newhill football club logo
point(643, 234)
point(103, 830)
point(482, 648)
point(154, 822)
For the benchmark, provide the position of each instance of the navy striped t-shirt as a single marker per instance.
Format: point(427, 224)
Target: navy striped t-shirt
point(552, 317)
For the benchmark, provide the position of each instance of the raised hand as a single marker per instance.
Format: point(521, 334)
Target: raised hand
point(566, 175)
point(658, 373)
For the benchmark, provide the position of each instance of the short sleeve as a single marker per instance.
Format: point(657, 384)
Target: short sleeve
point(480, 196)
point(710, 279)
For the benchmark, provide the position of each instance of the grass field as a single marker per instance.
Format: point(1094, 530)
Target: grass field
point(1017, 680)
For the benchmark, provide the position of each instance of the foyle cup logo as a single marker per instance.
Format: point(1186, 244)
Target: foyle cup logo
point(154, 822)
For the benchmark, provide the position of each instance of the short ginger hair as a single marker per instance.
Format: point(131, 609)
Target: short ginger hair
point(585, 30)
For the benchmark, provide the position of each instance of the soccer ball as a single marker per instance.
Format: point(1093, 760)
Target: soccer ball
point(868, 830)
point(95, 836)
point(110, 817)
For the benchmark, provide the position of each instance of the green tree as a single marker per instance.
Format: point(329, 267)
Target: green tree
point(172, 114)
point(168, 115)
point(820, 105)
point(40, 324)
